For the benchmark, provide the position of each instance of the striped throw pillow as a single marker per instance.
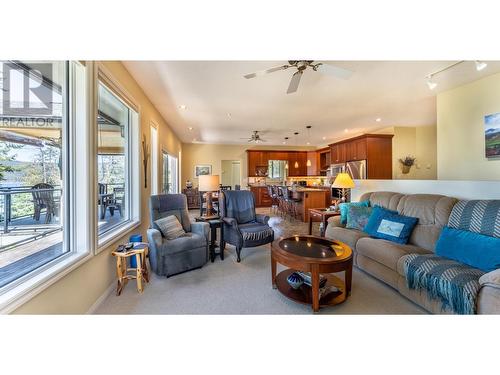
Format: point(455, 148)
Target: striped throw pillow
point(170, 227)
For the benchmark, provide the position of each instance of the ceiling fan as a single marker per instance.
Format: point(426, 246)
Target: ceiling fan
point(255, 137)
point(301, 66)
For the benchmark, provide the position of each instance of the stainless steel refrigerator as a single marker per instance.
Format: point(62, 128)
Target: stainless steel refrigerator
point(356, 169)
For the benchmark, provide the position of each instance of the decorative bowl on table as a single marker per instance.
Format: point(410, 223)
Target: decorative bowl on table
point(295, 280)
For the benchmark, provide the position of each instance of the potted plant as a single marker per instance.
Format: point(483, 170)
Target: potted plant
point(407, 163)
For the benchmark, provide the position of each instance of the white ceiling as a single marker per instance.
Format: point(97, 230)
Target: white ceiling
point(394, 91)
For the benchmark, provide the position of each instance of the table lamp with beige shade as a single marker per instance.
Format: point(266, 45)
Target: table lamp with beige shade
point(343, 181)
point(209, 183)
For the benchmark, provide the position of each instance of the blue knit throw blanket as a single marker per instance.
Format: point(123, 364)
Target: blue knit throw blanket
point(455, 284)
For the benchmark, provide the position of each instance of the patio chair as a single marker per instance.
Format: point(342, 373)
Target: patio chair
point(117, 201)
point(44, 199)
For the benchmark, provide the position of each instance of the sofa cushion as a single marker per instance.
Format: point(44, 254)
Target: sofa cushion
point(344, 207)
point(474, 249)
point(357, 217)
point(170, 227)
point(384, 199)
point(386, 252)
point(432, 211)
point(348, 236)
point(386, 225)
point(186, 242)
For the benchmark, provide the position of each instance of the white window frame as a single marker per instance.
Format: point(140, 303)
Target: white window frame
point(177, 190)
point(154, 158)
point(102, 75)
point(77, 174)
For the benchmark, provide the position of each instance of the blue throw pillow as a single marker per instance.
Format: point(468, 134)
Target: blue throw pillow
point(343, 207)
point(387, 225)
point(357, 217)
point(474, 249)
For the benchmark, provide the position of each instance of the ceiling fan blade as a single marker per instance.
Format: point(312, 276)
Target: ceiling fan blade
point(294, 82)
point(262, 72)
point(334, 71)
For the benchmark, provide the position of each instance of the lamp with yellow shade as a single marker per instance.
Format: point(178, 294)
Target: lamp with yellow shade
point(343, 181)
point(209, 183)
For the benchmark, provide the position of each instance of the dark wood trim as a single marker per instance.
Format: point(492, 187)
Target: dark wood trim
point(362, 136)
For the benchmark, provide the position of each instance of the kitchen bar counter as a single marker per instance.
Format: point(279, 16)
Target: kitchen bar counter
point(310, 198)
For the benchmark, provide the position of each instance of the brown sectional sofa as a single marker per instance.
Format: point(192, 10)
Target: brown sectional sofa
point(384, 259)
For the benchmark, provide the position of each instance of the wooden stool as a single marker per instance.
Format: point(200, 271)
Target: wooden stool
point(124, 273)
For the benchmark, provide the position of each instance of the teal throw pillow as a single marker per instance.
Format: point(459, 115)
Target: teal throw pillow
point(343, 207)
point(357, 217)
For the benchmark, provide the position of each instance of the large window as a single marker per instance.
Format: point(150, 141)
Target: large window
point(36, 182)
point(154, 160)
point(170, 174)
point(114, 121)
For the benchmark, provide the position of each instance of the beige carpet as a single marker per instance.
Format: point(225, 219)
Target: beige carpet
point(228, 287)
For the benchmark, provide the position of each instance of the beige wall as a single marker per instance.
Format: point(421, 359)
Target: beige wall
point(77, 292)
point(460, 130)
point(196, 153)
point(419, 142)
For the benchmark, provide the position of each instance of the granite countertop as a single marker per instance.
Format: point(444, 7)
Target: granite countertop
point(309, 190)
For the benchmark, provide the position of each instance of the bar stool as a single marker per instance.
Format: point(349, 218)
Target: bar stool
point(294, 205)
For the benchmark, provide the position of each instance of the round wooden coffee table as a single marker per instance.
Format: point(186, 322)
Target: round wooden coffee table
point(316, 255)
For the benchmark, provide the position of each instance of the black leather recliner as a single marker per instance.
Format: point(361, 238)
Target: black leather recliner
point(242, 226)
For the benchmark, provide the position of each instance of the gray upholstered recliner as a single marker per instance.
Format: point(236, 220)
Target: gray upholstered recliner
point(242, 226)
point(170, 257)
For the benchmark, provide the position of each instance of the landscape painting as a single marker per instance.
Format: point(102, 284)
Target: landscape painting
point(204, 169)
point(492, 135)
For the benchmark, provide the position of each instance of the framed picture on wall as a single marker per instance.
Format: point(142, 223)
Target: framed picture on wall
point(202, 169)
point(492, 135)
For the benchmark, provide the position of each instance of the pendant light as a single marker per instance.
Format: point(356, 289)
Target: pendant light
point(296, 165)
point(284, 142)
point(308, 143)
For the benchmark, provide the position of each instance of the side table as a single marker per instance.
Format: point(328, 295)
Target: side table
point(322, 215)
point(214, 222)
point(125, 273)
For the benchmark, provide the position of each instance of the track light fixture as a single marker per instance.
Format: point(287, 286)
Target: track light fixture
point(430, 83)
point(480, 65)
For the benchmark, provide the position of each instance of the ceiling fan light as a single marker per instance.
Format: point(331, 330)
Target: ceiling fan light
point(480, 65)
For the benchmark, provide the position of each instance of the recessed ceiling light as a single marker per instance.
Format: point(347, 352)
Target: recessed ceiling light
point(324, 138)
point(378, 119)
point(190, 128)
point(228, 115)
point(346, 130)
point(182, 106)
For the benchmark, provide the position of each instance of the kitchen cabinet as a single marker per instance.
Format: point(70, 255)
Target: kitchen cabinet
point(324, 160)
point(376, 149)
point(356, 149)
point(338, 153)
point(299, 157)
point(262, 197)
point(257, 162)
point(313, 157)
